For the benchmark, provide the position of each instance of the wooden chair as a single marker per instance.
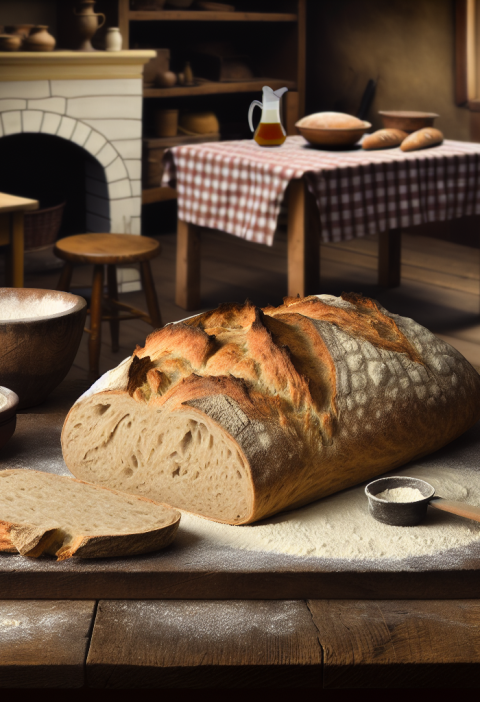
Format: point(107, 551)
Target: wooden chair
point(110, 250)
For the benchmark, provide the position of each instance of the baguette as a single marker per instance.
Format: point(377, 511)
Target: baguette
point(422, 139)
point(239, 413)
point(384, 139)
point(41, 513)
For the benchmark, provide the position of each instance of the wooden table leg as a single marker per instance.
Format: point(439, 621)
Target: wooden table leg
point(95, 320)
point(113, 295)
point(150, 295)
point(303, 241)
point(390, 258)
point(16, 249)
point(187, 286)
point(63, 284)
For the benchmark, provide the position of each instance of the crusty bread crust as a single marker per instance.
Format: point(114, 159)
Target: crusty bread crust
point(422, 139)
point(314, 396)
point(384, 139)
point(34, 541)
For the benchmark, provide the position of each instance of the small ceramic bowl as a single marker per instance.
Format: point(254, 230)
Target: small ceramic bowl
point(40, 332)
point(333, 137)
point(407, 121)
point(10, 42)
point(8, 414)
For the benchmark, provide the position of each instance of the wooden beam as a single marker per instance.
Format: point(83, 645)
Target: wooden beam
point(399, 644)
point(187, 282)
point(461, 91)
point(124, 22)
point(303, 241)
point(188, 644)
point(390, 258)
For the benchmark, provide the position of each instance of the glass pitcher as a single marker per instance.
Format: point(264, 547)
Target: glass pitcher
point(270, 131)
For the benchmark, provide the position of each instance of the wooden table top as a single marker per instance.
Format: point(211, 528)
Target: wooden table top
point(245, 640)
point(12, 203)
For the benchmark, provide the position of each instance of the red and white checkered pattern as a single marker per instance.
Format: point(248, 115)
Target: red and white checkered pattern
point(238, 186)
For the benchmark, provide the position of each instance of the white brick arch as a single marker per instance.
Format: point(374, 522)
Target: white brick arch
point(111, 204)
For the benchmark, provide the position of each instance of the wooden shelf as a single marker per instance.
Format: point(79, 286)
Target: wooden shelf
point(193, 15)
point(158, 195)
point(212, 88)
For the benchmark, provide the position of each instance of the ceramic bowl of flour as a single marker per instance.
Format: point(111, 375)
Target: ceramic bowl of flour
point(8, 414)
point(40, 332)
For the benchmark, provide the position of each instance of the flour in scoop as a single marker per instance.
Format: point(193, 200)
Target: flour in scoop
point(340, 526)
point(401, 494)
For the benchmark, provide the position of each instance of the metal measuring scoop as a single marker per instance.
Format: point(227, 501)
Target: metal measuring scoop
point(411, 513)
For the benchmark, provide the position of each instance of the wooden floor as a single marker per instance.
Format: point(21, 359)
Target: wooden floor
point(440, 285)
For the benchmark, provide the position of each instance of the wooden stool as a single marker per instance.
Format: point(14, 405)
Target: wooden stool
point(110, 250)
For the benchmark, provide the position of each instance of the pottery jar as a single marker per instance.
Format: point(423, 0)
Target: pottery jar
point(20, 29)
point(166, 123)
point(113, 39)
point(10, 42)
point(39, 39)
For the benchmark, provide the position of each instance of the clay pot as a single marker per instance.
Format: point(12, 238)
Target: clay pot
point(19, 29)
point(87, 24)
point(166, 79)
point(39, 39)
point(166, 123)
point(113, 40)
point(10, 42)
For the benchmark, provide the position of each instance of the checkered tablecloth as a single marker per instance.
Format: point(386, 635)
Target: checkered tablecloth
point(238, 186)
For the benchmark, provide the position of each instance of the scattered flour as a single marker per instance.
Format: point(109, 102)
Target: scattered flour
point(401, 494)
point(340, 527)
point(13, 307)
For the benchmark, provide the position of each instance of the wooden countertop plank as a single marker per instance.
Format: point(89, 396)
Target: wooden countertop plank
point(12, 203)
point(204, 644)
point(44, 644)
point(399, 644)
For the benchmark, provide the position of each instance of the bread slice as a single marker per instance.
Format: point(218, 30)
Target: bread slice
point(239, 413)
point(41, 513)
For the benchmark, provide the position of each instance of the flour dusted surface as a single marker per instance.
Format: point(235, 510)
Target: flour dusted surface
point(340, 527)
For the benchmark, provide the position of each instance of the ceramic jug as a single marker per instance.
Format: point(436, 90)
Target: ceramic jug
point(270, 131)
point(39, 39)
point(87, 23)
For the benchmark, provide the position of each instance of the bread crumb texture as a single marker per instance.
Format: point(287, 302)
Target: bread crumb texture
point(44, 513)
point(239, 413)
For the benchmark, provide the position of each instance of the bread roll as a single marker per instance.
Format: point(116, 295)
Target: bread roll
point(41, 513)
point(239, 413)
point(330, 120)
point(422, 139)
point(384, 139)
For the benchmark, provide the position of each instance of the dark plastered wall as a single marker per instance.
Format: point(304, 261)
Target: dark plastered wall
point(407, 45)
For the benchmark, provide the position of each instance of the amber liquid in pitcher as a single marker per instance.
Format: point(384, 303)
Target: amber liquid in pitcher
point(269, 134)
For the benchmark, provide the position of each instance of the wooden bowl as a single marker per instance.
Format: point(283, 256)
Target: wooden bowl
point(40, 332)
point(8, 414)
point(333, 137)
point(407, 121)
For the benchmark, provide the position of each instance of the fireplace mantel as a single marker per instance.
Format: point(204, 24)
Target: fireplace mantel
point(72, 65)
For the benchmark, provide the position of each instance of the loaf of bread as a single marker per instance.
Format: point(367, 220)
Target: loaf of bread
point(384, 139)
point(330, 120)
point(422, 139)
point(239, 413)
point(41, 513)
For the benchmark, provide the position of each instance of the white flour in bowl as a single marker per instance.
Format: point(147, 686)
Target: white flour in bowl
point(3, 401)
point(340, 527)
point(13, 307)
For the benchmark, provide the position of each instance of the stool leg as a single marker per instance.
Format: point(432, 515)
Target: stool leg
point(113, 295)
point(150, 294)
point(96, 320)
point(65, 278)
